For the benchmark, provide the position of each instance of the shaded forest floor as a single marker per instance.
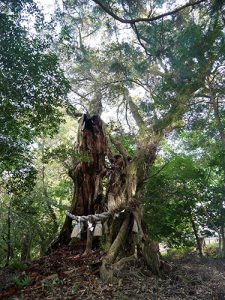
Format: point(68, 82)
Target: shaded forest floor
point(66, 275)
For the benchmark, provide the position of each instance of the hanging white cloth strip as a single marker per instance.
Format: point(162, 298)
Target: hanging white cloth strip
point(98, 229)
point(90, 226)
point(135, 226)
point(76, 233)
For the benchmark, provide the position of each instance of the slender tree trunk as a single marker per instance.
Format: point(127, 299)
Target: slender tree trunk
point(9, 242)
point(198, 240)
point(220, 243)
point(222, 224)
point(26, 247)
point(46, 196)
point(42, 243)
point(220, 127)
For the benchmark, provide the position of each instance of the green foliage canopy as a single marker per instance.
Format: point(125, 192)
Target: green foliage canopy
point(32, 86)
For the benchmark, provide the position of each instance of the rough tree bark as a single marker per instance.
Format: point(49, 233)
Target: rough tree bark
point(124, 178)
point(199, 241)
point(87, 174)
point(9, 242)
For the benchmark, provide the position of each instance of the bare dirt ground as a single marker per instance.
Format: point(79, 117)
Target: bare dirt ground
point(65, 274)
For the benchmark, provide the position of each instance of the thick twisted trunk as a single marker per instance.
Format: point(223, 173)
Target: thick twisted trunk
point(87, 175)
point(123, 176)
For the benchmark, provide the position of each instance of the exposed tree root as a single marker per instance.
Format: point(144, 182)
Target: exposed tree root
point(150, 253)
point(106, 270)
point(149, 250)
point(116, 245)
point(124, 261)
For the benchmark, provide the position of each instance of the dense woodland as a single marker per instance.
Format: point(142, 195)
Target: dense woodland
point(112, 109)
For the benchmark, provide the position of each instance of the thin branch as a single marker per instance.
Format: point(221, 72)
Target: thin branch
point(215, 105)
point(134, 27)
point(138, 82)
point(120, 148)
point(121, 81)
point(133, 21)
point(156, 173)
point(126, 116)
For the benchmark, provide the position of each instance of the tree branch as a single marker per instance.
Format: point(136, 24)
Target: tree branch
point(134, 27)
point(133, 21)
point(135, 113)
point(157, 172)
point(215, 105)
point(119, 147)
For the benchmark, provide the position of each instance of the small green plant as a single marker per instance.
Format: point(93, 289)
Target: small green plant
point(104, 246)
point(213, 250)
point(55, 281)
point(50, 281)
point(76, 287)
point(46, 284)
point(177, 253)
point(24, 281)
point(18, 265)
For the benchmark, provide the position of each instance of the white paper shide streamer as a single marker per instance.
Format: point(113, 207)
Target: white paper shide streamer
point(135, 226)
point(98, 229)
point(90, 226)
point(76, 233)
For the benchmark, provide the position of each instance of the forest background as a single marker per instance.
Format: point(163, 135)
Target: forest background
point(159, 79)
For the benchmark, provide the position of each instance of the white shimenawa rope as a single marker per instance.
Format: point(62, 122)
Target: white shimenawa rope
point(95, 228)
point(97, 217)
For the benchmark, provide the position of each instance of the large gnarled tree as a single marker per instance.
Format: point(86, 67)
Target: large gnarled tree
point(158, 57)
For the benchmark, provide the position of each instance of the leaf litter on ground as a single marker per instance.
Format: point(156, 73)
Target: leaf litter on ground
point(66, 274)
